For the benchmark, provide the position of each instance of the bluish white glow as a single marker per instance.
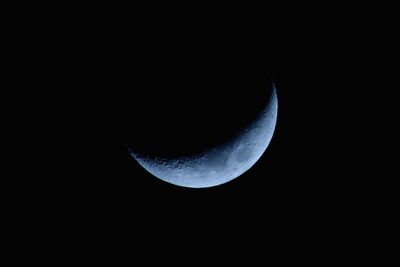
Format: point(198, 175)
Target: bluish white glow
point(220, 164)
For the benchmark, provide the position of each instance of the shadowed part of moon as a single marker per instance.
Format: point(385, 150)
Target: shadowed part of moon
point(221, 163)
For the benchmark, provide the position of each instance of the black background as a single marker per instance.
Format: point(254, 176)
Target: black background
point(101, 80)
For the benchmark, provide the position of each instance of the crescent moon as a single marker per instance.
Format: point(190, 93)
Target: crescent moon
point(220, 164)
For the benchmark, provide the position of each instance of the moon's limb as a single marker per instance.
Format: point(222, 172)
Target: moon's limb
point(220, 164)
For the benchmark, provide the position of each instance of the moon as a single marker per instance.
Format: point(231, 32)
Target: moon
point(221, 163)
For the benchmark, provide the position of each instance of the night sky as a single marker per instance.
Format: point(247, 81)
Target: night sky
point(113, 86)
point(293, 180)
point(133, 87)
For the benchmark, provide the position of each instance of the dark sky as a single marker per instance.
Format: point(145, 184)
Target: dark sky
point(109, 86)
point(137, 86)
point(147, 92)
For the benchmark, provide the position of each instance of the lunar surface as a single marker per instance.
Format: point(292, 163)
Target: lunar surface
point(218, 164)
